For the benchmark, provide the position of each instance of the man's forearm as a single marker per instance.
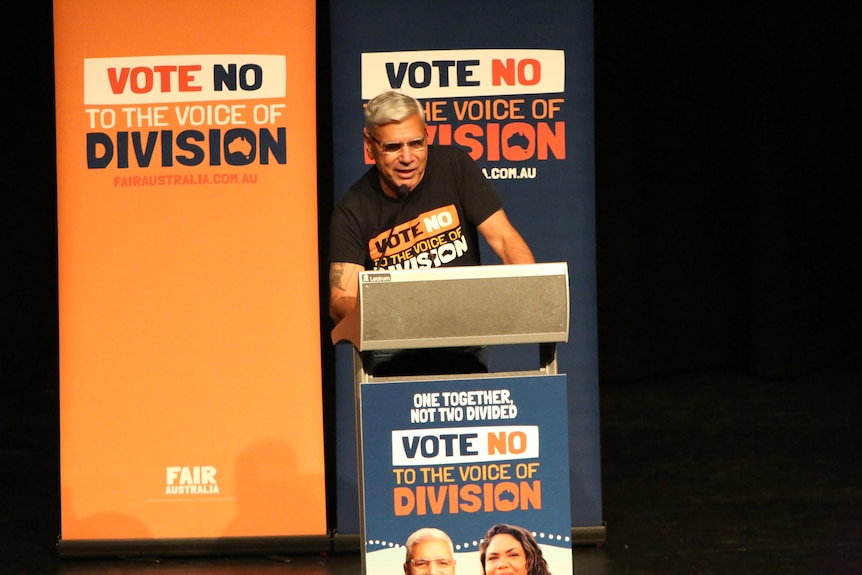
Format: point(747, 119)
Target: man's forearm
point(343, 289)
point(517, 251)
point(505, 240)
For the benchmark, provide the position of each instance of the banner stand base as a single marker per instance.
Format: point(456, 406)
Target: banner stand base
point(128, 548)
point(589, 535)
point(346, 543)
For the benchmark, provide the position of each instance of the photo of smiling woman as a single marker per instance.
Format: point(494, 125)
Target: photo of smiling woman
point(511, 550)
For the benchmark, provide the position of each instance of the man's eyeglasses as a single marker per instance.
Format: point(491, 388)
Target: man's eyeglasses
point(424, 565)
point(416, 145)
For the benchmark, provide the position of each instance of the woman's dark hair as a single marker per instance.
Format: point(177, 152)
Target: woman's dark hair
point(536, 564)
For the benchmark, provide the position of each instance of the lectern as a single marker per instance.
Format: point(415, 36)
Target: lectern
point(422, 439)
point(460, 306)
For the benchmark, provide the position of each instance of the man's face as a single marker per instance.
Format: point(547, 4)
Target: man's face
point(431, 558)
point(407, 165)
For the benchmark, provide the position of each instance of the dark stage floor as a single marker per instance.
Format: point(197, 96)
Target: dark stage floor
point(707, 473)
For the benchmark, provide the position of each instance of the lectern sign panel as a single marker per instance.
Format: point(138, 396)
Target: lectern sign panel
point(462, 456)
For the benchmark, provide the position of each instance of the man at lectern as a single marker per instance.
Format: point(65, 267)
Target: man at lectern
point(419, 206)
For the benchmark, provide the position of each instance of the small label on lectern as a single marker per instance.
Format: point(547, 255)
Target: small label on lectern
point(378, 277)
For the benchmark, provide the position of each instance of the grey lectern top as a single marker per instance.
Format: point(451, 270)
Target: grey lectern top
point(461, 306)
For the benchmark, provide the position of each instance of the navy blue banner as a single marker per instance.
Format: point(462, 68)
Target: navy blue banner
point(462, 456)
point(511, 83)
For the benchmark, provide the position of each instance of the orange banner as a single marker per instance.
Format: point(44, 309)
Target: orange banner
point(190, 383)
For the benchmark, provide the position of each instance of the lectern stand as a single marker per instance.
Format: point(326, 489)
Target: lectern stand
point(462, 306)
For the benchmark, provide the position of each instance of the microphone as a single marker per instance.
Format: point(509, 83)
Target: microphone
point(402, 192)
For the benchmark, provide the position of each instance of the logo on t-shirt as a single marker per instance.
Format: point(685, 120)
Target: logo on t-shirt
point(432, 239)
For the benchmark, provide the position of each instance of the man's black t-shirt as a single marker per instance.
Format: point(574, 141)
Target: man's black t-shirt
point(434, 225)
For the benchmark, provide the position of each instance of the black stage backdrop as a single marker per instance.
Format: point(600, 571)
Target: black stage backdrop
point(728, 183)
point(727, 186)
